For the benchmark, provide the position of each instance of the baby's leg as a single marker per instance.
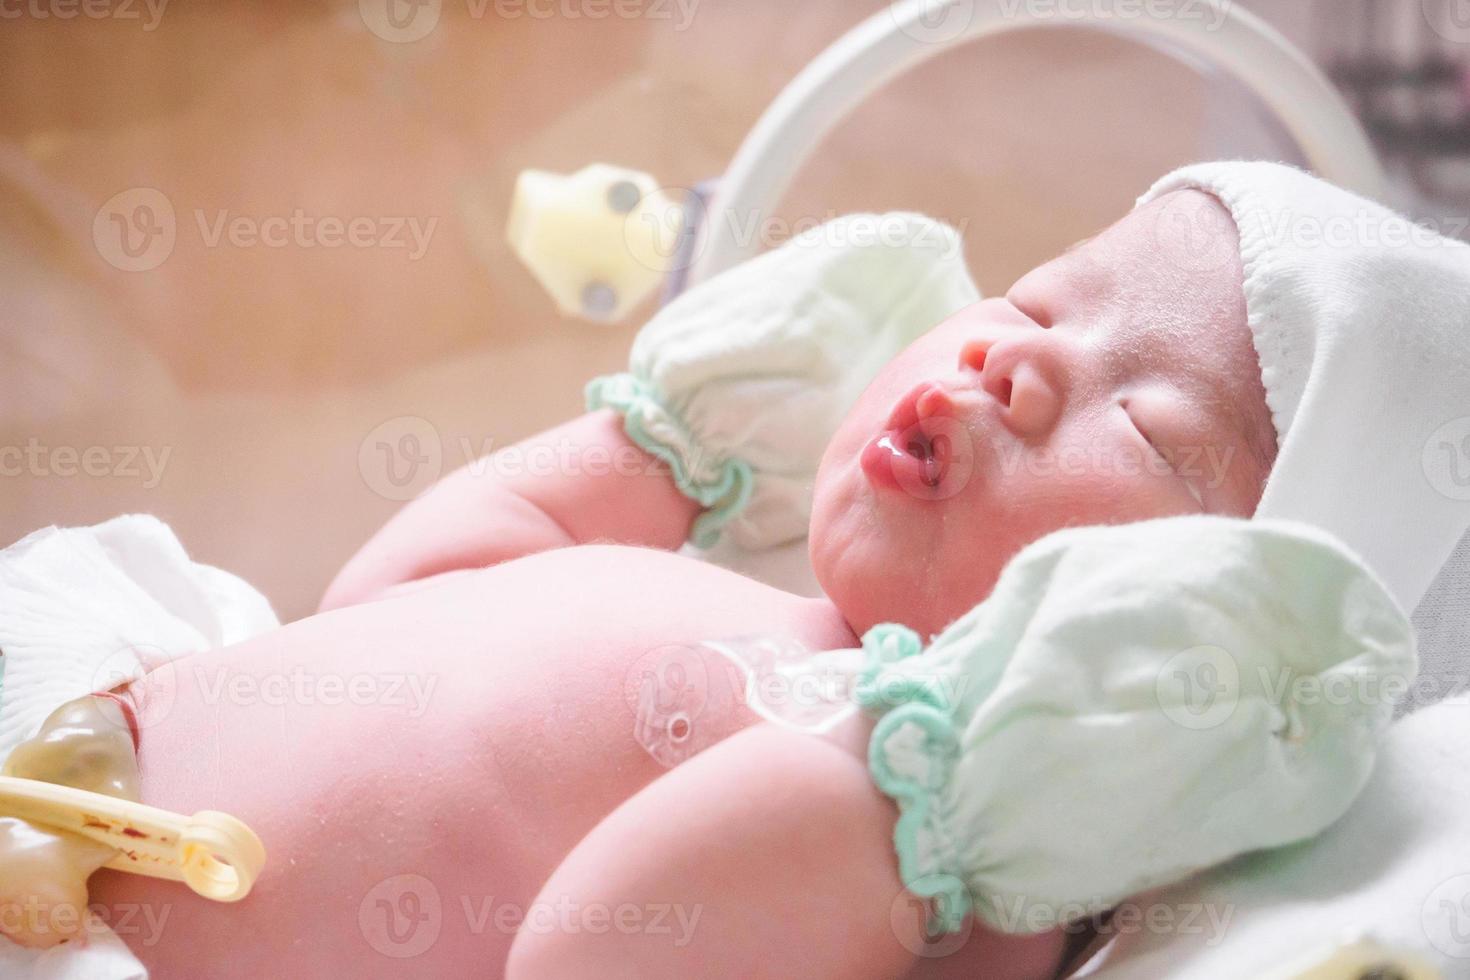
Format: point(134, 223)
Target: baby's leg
point(387, 852)
point(769, 855)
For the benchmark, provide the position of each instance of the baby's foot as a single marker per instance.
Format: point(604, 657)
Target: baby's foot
point(43, 872)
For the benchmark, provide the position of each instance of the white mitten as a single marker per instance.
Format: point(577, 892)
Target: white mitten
point(740, 383)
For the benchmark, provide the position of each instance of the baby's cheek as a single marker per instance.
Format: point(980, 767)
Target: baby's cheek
point(1122, 496)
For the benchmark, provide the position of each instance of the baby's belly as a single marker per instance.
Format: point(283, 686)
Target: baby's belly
point(417, 767)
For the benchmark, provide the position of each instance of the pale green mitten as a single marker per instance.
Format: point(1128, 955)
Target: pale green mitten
point(740, 382)
point(1130, 705)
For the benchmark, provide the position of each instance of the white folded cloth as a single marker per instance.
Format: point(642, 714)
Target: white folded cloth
point(1393, 871)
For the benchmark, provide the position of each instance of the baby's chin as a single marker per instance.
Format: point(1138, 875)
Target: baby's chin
point(874, 571)
point(868, 593)
point(845, 543)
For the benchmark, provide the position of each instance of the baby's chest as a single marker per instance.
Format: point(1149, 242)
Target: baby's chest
point(595, 663)
point(605, 604)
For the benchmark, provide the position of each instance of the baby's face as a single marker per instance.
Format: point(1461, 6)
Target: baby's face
point(1116, 383)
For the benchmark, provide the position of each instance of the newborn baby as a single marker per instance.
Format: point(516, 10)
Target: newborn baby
point(526, 746)
point(1114, 384)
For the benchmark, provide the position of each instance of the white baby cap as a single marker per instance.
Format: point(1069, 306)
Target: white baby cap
point(1361, 321)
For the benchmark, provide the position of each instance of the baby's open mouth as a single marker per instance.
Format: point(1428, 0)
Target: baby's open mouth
point(913, 460)
point(919, 447)
point(931, 452)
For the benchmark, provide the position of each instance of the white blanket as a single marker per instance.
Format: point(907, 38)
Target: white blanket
point(1395, 869)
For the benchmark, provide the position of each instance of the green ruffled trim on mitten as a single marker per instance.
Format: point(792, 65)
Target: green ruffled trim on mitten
point(723, 498)
point(912, 701)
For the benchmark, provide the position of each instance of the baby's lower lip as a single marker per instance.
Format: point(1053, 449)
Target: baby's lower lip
point(878, 461)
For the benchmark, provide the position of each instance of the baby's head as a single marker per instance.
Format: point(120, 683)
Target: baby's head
point(1116, 383)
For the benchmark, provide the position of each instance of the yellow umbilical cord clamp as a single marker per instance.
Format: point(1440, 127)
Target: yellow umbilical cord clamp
point(213, 853)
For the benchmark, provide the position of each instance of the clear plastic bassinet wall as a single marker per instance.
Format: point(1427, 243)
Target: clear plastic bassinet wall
point(253, 270)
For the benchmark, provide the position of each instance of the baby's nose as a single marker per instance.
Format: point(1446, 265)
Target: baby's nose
point(1024, 376)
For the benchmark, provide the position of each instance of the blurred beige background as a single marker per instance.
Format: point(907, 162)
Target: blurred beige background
point(231, 389)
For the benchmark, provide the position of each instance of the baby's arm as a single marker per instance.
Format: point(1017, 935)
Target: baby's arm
point(582, 481)
point(768, 855)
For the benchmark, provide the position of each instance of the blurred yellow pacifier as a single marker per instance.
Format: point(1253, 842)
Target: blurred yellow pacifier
point(600, 241)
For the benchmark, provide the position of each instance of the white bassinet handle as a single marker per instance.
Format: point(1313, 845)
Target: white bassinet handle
point(910, 32)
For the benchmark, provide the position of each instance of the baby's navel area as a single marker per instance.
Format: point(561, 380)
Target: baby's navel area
point(417, 767)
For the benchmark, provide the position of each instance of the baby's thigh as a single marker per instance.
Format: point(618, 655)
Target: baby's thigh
point(389, 842)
